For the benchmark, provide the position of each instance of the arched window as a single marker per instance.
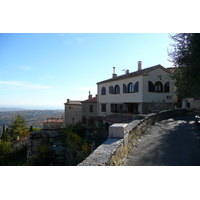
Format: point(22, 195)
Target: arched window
point(103, 91)
point(136, 87)
point(166, 87)
point(130, 87)
point(117, 89)
point(158, 87)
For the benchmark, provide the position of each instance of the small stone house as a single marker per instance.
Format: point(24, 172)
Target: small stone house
point(53, 123)
point(73, 112)
point(89, 110)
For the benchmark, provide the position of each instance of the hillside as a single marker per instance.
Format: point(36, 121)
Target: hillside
point(33, 118)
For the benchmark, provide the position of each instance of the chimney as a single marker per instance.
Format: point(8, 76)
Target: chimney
point(68, 100)
point(139, 65)
point(114, 75)
point(127, 71)
point(90, 96)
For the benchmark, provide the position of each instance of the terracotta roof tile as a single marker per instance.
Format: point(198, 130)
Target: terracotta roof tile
point(55, 120)
point(92, 100)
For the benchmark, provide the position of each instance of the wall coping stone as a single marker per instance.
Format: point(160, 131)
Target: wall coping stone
point(103, 154)
point(118, 130)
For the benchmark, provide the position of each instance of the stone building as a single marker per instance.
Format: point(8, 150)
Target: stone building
point(143, 91)
point(73, 112)
point(89, 110)
point(53, 123)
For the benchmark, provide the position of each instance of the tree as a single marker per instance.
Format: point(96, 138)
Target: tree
point(77, 147)
point(186, 58)
point(5, 148)
point(18, 127)
point(5, 136)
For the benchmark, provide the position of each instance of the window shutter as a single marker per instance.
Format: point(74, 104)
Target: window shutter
point(124, 88)
point(151, 87)
point(111, 90)
point(136, 87)
point(166, 87)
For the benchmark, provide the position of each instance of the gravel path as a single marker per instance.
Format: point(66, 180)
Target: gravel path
point(171, 142)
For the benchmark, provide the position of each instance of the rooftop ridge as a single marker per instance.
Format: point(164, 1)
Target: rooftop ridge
point(135, 73)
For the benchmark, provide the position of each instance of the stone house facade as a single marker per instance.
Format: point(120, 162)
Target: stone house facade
point(53, 123)
point(89, 110)
point(73, 111)
point(143, 91)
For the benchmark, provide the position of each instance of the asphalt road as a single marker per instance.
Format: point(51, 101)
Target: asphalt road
point(171, 142)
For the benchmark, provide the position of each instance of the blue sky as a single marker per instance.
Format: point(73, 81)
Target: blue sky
point(48, 68)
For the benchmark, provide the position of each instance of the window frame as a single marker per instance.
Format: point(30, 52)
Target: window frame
point(158, 87)
point(103, 91)
point(91, 109)
point(117, 89)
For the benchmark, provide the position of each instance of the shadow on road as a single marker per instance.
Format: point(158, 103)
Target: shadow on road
point(172, 142)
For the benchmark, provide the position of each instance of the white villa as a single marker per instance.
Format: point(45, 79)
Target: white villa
point(143, 91)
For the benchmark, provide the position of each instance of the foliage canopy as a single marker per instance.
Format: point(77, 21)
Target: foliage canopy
point(18, 127)
point(186, 58)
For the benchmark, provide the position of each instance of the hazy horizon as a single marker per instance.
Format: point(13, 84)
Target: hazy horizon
point(35, 107)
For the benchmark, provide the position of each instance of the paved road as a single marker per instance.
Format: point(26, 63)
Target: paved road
point(171, 142)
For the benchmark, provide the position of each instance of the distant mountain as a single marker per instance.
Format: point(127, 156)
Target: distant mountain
point(11, 109)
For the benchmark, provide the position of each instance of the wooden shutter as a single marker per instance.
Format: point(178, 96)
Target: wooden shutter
point(136, 87)
point(151, 87)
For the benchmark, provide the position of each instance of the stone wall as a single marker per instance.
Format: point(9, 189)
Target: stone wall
point(113, 152)
point(20, 143)
point(195, 104)
point(36, 140)
point(150, 107)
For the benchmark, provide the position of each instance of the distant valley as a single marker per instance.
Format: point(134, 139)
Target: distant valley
point(33, 118)
point(10, 109)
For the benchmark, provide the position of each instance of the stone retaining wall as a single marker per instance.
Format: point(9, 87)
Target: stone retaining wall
point(113, 151)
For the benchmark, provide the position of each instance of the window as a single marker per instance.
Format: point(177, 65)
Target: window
point(130, 87)
point(111, 90)
point(158, 87)
point(91, 108)
point(136, 87)
point(166, 87)
point(103, 107)
point(84, 120)
point(124, 88)
point(103, 91)
point(117, 108)
point(150, 86)
point(117, 89)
